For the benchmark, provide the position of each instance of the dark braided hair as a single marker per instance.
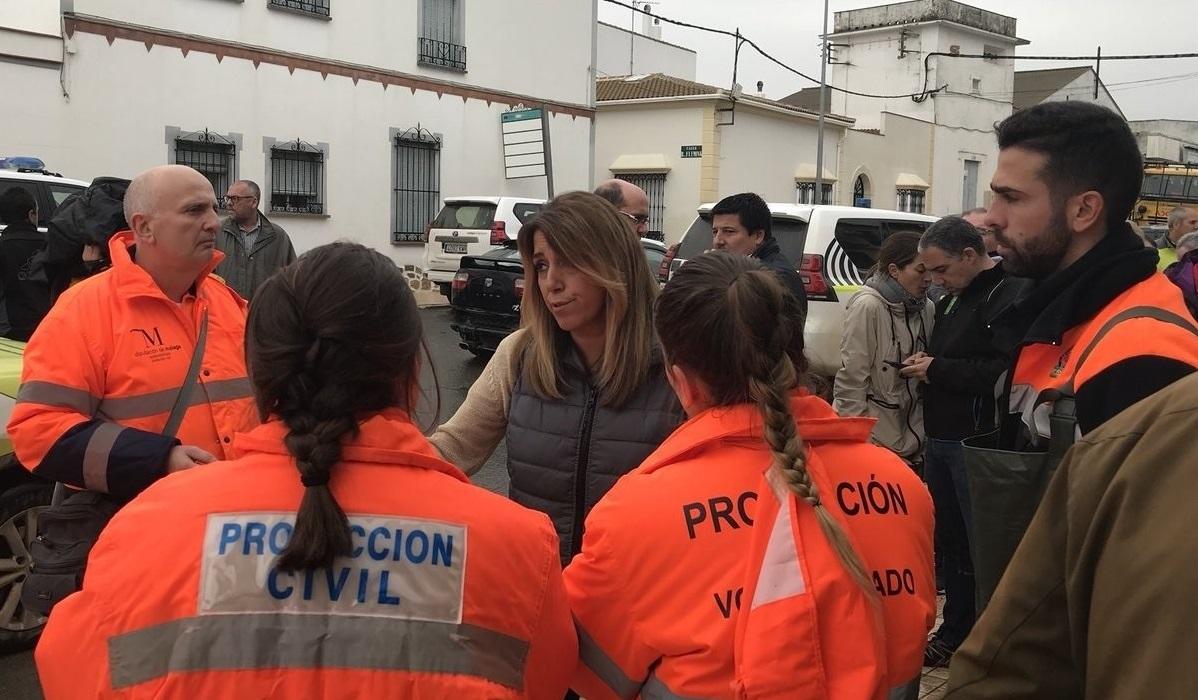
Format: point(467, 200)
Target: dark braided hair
point(330, 338)
point(729, 322)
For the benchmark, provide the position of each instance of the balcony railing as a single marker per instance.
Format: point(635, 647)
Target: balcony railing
point(441, 53)
point(311, 7)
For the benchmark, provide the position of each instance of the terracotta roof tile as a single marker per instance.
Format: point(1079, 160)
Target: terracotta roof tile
point(643, 87)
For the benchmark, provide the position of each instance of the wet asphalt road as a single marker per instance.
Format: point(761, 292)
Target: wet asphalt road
point(456, 371)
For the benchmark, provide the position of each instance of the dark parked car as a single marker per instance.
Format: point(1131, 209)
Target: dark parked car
point(486, 293)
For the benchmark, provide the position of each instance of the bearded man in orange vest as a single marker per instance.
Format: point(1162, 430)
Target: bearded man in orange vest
point(1100, 330)
point(105, 370)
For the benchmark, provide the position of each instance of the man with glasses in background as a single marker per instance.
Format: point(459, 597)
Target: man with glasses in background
point(254, 247)
point(630, 200)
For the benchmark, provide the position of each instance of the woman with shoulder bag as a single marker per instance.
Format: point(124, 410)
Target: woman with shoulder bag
point(887, 322)
point(578, 393)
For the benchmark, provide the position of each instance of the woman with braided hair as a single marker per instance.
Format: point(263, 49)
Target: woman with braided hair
point(766, 549)
point(211, 584)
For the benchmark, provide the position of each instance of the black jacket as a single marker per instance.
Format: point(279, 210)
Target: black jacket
point(26, 291)
point(772, 257)
point(1043, 312)
point(960, 394)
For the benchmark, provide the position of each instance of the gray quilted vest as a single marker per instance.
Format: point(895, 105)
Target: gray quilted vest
point(563, 455)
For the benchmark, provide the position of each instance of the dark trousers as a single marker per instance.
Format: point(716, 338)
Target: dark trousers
point(944, 471)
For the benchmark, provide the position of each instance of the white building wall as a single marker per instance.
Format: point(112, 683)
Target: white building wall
point(656, 128)
point(763, 150)
point(1172, 139)
point(124, 102)
point(871, 64)
point(522, 47)
point(1081, 89)
point(904, 146)
point(33, 16)
point(616, 46)
point(759, 153)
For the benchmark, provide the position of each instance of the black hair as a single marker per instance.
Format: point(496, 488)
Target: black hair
point(954, 236)
point(754, 213)
point(1087, 146)
point(900, 249)
point(15, 204)
point(330, 338)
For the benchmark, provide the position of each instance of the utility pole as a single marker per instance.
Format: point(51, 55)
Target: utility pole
point(1097, 68)
point(823, 108)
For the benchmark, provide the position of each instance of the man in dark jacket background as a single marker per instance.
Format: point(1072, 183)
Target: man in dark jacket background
point(26, 291)
point(741, 223)
point(254, 247)
point(961, 369)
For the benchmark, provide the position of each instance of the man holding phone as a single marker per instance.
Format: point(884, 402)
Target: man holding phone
point(959, 371)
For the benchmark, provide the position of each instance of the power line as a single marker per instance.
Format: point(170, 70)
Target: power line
point(916, 96)
point(744, 39)
point(1111, 87)
point(920, 97)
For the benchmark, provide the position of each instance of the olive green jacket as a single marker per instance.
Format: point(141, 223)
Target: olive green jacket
point(1100, 598)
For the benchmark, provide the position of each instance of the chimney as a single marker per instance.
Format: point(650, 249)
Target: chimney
point(651, 26)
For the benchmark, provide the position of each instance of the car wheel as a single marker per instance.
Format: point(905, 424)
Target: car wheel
point(445, 289)
point(20, 507)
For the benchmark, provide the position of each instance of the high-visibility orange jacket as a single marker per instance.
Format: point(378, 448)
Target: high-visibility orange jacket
point(676, 554)
point(104, 369)
point(1053, 323)
point(450, 591)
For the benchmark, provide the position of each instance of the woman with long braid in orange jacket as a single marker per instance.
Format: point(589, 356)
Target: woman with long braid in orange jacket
point(766, 549)
point(338, 556)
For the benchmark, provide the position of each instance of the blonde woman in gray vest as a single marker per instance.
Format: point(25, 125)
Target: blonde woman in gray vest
point(579, 392)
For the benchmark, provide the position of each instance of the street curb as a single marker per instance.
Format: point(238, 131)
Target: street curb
point(430, 299)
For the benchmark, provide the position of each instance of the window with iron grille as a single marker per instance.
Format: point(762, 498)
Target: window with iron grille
point(910, 201)
point(805, 193)
point(312, 7)
point(212, 154)
point(654, 185)
point(441, 42)
point(416, 189)
point(296, 178)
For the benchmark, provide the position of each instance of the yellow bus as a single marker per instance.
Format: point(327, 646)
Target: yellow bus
point(1165, 187)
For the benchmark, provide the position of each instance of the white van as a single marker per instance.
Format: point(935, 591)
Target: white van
point(833, 249)
point(472, 226)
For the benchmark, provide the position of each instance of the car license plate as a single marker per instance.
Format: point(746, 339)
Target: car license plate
point(453, 247)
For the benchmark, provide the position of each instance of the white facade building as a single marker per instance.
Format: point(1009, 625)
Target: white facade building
point(1174, 140)
point(883, 51)
point(622, 51)
point(356, 118)
point(1078, 83)
point(685, 144)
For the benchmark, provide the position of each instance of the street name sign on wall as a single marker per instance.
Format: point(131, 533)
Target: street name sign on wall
point(692, 151)
point(523, 143)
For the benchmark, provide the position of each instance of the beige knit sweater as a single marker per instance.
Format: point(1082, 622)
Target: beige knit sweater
point(471, 435)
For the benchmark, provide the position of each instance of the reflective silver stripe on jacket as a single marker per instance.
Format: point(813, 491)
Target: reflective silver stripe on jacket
point(279, 641)
point(95, 456)
point(152, 404)
point(51, 394)
point(602, 665)
point(130, 407)
point(655, 689)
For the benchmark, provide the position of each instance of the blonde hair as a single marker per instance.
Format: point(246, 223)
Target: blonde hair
point(590, 234)
point(729, 321)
